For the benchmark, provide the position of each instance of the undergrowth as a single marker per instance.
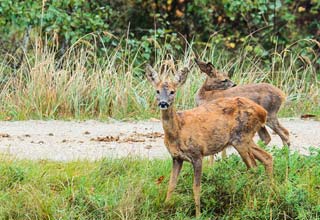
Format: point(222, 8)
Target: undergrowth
point(135, 189)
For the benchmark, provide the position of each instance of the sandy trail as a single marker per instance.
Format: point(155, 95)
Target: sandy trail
point(92, 140)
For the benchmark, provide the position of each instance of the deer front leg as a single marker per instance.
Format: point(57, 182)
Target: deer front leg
point(197, 167)
point(176, 168)
point(246, 154)
point(264, 157)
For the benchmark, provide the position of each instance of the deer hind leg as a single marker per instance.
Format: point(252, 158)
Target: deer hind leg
point(274, 124)
point(264, 157)
point(176, 168)
point(197, 167)
point(247, 156)
point(264, 135)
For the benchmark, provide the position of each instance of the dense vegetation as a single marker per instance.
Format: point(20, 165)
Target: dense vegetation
point(266, 23)
point(135, 189)
point(81, 84)
point(84, 59)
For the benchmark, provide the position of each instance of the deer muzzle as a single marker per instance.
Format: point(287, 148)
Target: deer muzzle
point(163, 105)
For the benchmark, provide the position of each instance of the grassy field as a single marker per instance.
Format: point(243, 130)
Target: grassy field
point(81, 83)
point(134, 188)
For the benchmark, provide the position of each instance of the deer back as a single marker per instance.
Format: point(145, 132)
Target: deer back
point(211, 127)
point(263, 94)
point(218, 85)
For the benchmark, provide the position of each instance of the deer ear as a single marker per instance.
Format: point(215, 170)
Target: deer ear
point(181, 77)
point(152, 75)
point(207, 68)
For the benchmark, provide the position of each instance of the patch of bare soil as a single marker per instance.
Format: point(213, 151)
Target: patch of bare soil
point(65, 140)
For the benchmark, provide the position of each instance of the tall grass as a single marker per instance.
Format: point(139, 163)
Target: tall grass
point(85, 83)
point(136, 188)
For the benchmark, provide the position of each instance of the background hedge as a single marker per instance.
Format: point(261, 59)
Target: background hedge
point(228, 22)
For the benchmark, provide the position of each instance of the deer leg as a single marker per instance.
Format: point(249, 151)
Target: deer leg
point(274, 124)
point(176, 168)
point(246, 155)
point(197, 167)
point(264, 157)
point(264, 135)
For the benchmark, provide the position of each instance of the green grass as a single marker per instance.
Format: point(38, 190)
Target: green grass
point(83, 83)
point(128, 189)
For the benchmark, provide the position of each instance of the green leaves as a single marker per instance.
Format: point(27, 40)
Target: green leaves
point(200, 20)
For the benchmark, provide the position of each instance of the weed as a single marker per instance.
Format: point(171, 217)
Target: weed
point(135, 188)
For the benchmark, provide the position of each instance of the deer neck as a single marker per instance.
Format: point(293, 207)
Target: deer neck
point(203, 91)
point(169, 120)
point(170, 124)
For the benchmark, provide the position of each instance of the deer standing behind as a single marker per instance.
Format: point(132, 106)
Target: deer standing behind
point(218, 85)
point(206, 130)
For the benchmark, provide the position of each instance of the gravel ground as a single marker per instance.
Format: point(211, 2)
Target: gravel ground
point(92, 140)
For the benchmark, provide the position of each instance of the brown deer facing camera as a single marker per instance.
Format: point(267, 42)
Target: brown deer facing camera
point(218, 85)
point(206, 130)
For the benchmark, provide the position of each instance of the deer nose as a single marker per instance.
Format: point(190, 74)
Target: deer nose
point(163, 105)
point(234, 85)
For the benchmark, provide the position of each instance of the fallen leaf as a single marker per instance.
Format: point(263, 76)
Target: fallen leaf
point(133, 139)
point(307, 116)
point(106, 139)
point(160, 180)
point(153, 135)
point(4, 135)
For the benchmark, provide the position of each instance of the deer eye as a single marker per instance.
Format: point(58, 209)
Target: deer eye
point(225, 80)
point(158, 92)
point(172, 92)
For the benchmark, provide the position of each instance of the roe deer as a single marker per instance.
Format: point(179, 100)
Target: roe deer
point(206, 130)
point(218, 85)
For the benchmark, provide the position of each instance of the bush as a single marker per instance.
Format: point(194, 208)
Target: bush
point(228, 22)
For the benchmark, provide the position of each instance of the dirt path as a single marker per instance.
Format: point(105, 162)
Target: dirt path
point(65, 141)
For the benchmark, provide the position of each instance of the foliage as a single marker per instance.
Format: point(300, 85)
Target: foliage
point(85, 59)
point(230, 23)
point(135, 189)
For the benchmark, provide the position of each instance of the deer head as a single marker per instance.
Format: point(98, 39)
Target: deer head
point(216, 80)
point(166, 89)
